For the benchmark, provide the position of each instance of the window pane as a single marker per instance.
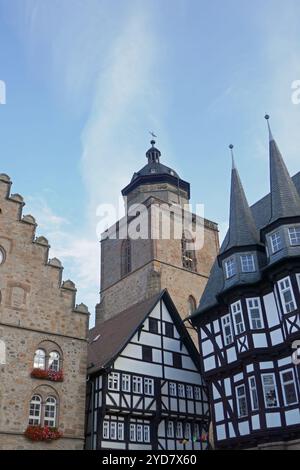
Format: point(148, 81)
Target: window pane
point(294, 234)
point(269, 391)
point(39, 359)
point(50, 412)
point(35, 411)
point(54, 361)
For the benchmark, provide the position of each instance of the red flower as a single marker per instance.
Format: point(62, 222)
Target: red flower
point(48, 374)
point(39, 433)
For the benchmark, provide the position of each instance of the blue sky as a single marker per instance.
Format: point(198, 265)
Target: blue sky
point(87, 79)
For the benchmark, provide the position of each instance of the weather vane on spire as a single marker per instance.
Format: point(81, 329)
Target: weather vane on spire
point(153, 135)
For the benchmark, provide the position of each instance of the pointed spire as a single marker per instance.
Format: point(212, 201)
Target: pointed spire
point(285, 200)
point(232, 155)
point(242, 228)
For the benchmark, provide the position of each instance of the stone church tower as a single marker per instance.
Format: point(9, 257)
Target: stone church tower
point(43, 338)
point(135, 269)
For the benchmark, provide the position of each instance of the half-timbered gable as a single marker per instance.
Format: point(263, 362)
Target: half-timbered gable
point(248, 318)
point(144, 389)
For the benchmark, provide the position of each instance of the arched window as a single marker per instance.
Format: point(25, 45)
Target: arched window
point(191, 304)
point(54, 361)
point(126, 257)
point(188, 252)
point(35, 410)
point(50, 412)
point(39, 359)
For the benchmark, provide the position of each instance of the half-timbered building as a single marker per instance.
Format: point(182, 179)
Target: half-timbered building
point(248, 318)
point(145, 390)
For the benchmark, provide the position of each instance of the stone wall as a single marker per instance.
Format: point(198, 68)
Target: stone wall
point(37, 309)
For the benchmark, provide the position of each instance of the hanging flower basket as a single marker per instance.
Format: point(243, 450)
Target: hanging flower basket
point(48, 374)
point(39, 433)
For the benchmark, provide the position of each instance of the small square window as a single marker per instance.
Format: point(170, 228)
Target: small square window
point(177, 360)
point(294, 234)
point(147, 353)
point(153, 325)
point(230, 268)
point(169, 329)
point(247, 263)
point(276, 242)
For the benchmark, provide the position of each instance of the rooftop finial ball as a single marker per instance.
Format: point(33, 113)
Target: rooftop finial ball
point(267, 117)
point(231, 146)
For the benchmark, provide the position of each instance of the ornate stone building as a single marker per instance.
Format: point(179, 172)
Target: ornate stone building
point(43, 336)
point(133, 270)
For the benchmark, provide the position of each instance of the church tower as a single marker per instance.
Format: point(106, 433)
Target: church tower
point(136, 267)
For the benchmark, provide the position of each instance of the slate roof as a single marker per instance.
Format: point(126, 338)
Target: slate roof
point(285, 200)
point(262, 215)
point(114, 333)
point(242, 228)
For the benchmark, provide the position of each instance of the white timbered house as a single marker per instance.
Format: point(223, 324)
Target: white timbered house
point(145, 390)
point(248, 318)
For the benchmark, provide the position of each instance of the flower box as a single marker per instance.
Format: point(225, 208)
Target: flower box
point(48, 374)
point(39, 433)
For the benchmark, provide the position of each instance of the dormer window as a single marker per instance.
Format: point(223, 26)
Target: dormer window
point(247, 263)
point(276, 242)
point(294, 234)
point(230, 268)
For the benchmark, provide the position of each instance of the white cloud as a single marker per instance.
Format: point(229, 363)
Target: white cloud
point(100, 63)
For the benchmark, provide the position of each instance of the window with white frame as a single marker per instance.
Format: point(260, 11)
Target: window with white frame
point(287, 295)
point(247, 263)
point(197, 393)
point(39, 361)
point(289, 387)
point(237, 314)
point(120, 431)
point(255, 313)
point(170, 429)
point(270, 392)
point(50, 412)
point(35, 410)
point(179, 430)
point(105, 430)
point(189, 391)
point(113, 430)
point(298, 280)
point(230, 268)
point(187, 431)
point(126, 383)
point(114, 381)
point(146, 433)
point(227, 330)
point(172, 389)
point(54, 361)
point(253, 393)
point(137, 384)
point(276, 242)
point(196, 431)
point(139, 433)
point(148, 386)
point(181, 390)
point(294, 234)
point(241, 401)
point(132, 432)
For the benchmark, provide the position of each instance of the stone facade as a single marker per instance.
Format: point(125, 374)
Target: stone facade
point(156, 258)
point(37, 311)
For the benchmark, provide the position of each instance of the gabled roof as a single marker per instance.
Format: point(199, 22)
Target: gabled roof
point(242, 228)
point(108, 339)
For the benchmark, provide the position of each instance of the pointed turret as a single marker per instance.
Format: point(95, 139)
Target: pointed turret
point(285, 200)
point(242, 228)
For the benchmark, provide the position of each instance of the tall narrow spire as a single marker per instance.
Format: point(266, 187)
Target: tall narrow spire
point(285, 200)
point(242, 228)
